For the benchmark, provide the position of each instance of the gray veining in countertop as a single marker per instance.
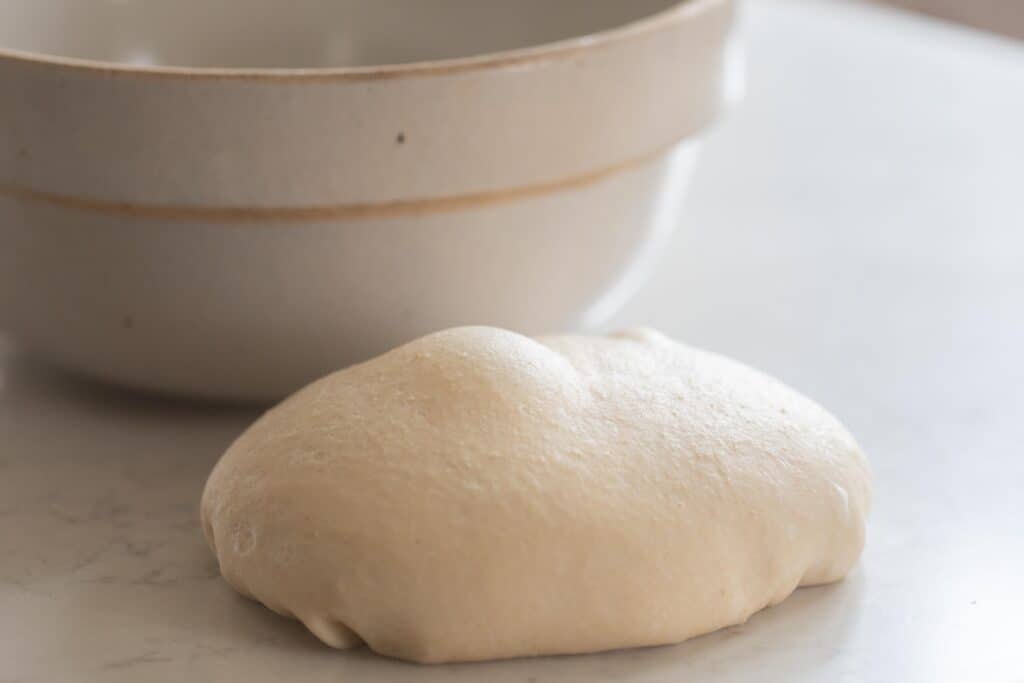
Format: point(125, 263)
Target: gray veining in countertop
point(856, 228)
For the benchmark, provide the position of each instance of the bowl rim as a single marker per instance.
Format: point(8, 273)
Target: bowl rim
point(678, 12)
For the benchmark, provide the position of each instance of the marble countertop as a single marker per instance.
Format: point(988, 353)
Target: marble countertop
point(856, 228)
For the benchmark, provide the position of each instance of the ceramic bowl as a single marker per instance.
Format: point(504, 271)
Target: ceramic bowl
point(199, 201)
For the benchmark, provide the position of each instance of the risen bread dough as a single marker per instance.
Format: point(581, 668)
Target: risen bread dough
point(478, 494)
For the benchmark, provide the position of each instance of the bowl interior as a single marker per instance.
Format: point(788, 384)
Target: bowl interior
point(301, 33)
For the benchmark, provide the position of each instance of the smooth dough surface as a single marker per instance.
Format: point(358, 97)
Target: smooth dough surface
point(478, 494)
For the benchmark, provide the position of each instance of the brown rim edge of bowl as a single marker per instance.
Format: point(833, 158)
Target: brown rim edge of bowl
point(323, 213)
point(680, 11)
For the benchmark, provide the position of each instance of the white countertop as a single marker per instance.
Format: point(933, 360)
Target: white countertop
point(857, 229)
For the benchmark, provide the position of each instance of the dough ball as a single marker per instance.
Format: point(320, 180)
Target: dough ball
point(478, 494)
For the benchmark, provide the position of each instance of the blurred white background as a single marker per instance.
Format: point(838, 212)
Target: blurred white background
point(1000, 16)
